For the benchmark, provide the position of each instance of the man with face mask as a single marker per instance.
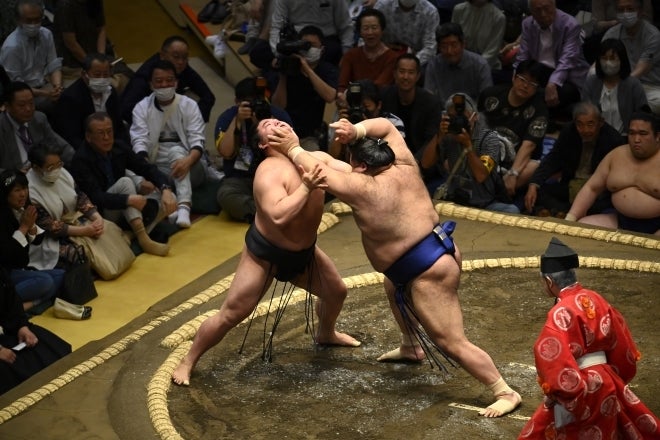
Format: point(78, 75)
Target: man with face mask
point(304, 93)
point(90, 93)
point(168, 130)
point(21, 127)
point(28, 55)
point(642, 42)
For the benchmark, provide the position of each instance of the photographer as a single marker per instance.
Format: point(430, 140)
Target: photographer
point(304, 91)
point(468, 153)
point(236, 145)
point(363, 101)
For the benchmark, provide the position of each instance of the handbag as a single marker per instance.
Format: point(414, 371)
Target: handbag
point(78, 287)
point(110, 255)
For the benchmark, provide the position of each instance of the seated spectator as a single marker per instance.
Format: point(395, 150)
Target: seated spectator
point(483, 24)
point(519, 115)
point(79, 28)
point(304, 89)
point(373, 60)
point(553, 38)
point(235, 141)
point(18, 234)
point(42, 347)
point(455, 69)
point(411, 25)
point(92, 92)
point(578, 150)
point(630, 172)
point(28, 55)
point(618, 94)
point(99, 168)
point(366, 103)
point(168, 131)
point(57, 198)
point(21, 127)
point(468, 152)
point(330, 16)
point(642, 42)
point(418, 108)
point(175, 50)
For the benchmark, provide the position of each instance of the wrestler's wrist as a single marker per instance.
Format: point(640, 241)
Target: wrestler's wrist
point(360, 131)
point(294, 152)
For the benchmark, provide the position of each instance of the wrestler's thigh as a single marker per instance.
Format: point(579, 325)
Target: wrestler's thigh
point(435, 298)
point(324, 276)
point(250, 281)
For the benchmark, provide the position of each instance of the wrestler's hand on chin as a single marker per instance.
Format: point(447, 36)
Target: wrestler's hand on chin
point(314, 179)
point(345, 131)
point(283, 139)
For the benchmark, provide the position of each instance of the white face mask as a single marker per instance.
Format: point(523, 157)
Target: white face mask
point(31, 30)
point(627, 19)
point(407, 3)
point(51, 176)
point(165, 94)
point(610, 67)
point(99, 85)
point(313, 55)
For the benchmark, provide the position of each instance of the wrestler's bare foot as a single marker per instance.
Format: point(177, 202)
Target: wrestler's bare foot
point(504, 404)
point(405, 353)
point(181, 374)
point(338, 338)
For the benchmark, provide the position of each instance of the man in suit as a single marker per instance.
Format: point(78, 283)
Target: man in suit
point(90, 93)
point(21, 127)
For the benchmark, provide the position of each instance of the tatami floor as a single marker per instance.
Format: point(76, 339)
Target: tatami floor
point(137, 29)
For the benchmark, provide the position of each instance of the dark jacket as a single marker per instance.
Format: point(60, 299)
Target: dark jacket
point(13, 255)
point(75, 105)
point(88, 171)
point(189, 80)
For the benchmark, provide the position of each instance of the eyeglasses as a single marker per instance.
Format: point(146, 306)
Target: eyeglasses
point(526, 81)
point(54, 166)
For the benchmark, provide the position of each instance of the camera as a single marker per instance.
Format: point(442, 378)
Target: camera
point(289, 45)
point(458, 122)
point(259, 105)
point(354, 100)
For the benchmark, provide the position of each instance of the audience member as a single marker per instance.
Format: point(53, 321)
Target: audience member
point(330, 16)
point(58, 199)
point(617, 93)
point(305, 89)
point(99, 168)
point(642, 42)
point(79, 28)
point(418, 108)
point(92, 92)
point(175, 50)
point(168, 130)
point(578, 150)
point(483, 24)
point(411, 26)
point(552, 37)
point(630, 173)
point(235, 141)
point(28, 55)
point(584, 342)
point(468, 151)
point(18, 234)
point(373, 60)
point(42, 347)
point(455, 69)
point(366, 103)
point(21, 127)
point(519, 115)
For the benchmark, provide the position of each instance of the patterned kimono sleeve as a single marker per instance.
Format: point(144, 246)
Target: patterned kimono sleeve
point(623, 356)
point(84, 204)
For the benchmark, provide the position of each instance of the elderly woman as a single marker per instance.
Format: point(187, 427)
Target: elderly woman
point(618, 94)
point(57, 199)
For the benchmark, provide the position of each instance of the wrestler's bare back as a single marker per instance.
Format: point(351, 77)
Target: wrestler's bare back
point(296, 228)
point(634, 184)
